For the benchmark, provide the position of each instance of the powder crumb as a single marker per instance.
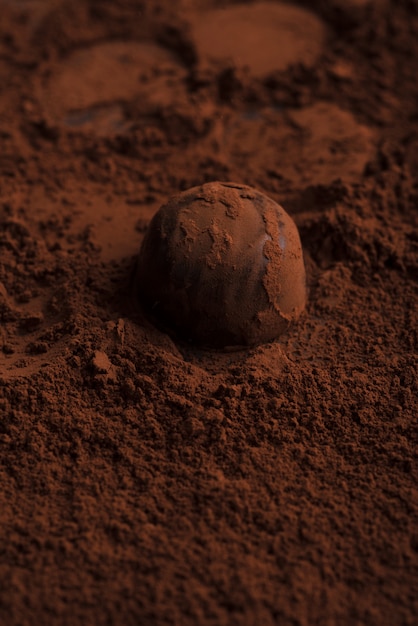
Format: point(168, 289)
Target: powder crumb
point(101, 363)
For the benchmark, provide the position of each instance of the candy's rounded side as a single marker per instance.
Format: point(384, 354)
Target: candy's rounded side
point(221, 265)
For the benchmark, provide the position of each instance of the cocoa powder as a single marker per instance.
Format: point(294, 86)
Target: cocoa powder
point(146, 481)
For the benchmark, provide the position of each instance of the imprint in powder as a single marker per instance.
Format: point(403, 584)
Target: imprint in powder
point(89, 87)
point(321, 143)
point(265, 37)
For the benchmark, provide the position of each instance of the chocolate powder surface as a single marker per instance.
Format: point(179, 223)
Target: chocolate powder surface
point(144, 481)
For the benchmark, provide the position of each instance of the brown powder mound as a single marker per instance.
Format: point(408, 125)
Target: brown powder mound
point(222, 265)
point(146, 481)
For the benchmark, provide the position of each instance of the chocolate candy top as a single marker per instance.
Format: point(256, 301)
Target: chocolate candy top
point(221, 265)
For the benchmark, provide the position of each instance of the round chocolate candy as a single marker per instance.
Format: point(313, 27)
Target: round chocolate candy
point(221, 265)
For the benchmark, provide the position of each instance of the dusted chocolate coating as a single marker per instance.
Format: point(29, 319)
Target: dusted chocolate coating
point(222, 265)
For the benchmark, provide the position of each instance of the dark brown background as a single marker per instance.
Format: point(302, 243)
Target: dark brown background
point(145, 482)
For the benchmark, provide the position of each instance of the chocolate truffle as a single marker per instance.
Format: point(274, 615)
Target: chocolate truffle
point(221, 265)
